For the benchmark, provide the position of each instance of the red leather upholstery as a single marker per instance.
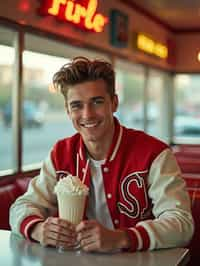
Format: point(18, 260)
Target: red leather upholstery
point(194, 244)
point(189, 154)
point(22, 183)
point(188, 157)
point(189, 165)
point(193, 187)
point(192, 182)
point(187, 148)
point(8, 194)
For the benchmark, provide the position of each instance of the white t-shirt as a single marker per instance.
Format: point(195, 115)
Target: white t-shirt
point(97, 207)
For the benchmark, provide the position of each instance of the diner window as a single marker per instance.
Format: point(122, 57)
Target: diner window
point(187, 111)
point(130, 90)
point(158, 88)
point(44, 116)
point(7, 55)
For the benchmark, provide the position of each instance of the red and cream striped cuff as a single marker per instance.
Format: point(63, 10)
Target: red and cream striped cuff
point(139, 238)
point(27, 224)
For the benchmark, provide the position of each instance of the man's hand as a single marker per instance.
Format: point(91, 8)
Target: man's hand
point(94, 237)
point(55, 232)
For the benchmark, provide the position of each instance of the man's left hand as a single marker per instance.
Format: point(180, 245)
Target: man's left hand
point(95, 237)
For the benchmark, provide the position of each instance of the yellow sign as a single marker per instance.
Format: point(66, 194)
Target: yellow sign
point(150, 46)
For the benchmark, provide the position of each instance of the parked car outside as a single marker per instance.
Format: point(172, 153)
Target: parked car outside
point(187, 125)
point(32, 115)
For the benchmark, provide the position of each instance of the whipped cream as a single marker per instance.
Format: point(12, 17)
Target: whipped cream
point(71, 185)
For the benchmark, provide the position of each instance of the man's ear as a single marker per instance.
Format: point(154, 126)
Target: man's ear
point(115, 103)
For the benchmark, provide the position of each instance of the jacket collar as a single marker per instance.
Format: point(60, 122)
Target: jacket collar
point(117, 138)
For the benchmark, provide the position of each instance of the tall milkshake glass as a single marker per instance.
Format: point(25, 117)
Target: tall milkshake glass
point(71, 195)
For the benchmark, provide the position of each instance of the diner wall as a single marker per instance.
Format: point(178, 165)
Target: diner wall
point(186, 52)
point(24, 12)
point(183, 47)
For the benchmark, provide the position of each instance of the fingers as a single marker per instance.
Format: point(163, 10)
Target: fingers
point(57, 232)
point(60, 226)
point(90, 246)
point(85, 225)
point(95, 237)
point(85, 236)
point(89, 242)
point(89, 235)
point(60, 222)
point(58, 242)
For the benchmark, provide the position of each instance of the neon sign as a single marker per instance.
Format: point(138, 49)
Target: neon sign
point(150, 46)
point(82, 15)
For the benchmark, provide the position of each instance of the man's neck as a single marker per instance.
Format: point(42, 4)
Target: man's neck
point(97, 151)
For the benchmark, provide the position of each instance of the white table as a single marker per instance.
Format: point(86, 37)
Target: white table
point(15, 251)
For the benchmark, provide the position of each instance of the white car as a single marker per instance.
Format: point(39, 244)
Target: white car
point(187, 125)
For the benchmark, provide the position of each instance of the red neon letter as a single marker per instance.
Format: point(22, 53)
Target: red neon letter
point(74, 12)
point(90, 11)
point(99, 22)
point(54, 10)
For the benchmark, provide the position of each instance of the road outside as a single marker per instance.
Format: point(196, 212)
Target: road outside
point(36, 141)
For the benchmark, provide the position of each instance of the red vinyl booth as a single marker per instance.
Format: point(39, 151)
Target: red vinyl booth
point(8, 194)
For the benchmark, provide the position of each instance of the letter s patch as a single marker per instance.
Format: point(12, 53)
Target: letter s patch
point(134, 195)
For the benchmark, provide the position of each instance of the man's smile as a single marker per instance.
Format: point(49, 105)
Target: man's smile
point(90, 124)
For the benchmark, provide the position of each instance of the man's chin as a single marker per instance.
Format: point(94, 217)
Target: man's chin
point(91, 138)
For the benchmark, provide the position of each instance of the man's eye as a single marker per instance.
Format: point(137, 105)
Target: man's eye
point(98, 101)
point(76, 106)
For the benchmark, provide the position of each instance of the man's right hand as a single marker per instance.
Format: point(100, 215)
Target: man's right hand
point(54, 232)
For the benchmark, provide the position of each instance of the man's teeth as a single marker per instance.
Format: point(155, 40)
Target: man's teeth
point(90, 125)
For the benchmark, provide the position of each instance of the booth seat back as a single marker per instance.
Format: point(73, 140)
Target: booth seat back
point(194, 244)
point(189, 165)
point(187, 148)
point(193, 187)
point(8, 194)
point(193, 154)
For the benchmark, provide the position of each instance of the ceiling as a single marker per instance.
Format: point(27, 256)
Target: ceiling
point(177, 15)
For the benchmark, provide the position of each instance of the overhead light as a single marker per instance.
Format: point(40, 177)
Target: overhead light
point(198, 56)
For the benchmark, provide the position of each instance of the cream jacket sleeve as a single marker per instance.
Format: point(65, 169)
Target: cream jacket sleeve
point(38, 202)
point(173, 225)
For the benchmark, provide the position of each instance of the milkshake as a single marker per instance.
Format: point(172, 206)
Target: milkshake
point(71, 194)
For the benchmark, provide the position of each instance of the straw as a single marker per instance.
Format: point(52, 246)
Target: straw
point(85, 172)
point(77, 164)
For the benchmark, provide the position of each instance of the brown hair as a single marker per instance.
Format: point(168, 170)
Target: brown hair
point(81, 69)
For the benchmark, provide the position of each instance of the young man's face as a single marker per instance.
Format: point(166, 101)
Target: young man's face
point(91, 108)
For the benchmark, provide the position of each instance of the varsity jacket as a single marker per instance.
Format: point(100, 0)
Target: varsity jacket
point(145, 193)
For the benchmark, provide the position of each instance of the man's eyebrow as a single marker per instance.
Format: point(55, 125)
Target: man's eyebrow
point(74, 102)
point(97, 98)
point(91, 99)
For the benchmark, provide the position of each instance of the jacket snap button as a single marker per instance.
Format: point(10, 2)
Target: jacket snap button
point(106, 170)
point(109, 196)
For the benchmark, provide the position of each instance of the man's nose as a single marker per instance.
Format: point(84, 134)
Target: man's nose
point(88, 110)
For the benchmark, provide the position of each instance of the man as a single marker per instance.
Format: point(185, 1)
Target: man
point(137, 198)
